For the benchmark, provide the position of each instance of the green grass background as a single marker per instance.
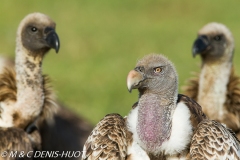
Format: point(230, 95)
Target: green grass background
point(101, 42)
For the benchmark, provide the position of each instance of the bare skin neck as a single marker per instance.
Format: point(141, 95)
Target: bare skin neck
point(154, 120)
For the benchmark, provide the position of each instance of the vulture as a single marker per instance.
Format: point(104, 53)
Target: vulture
point(60, 129)
point(162, 124)
point(216, 88)
point(25, 94)
point(22, 94)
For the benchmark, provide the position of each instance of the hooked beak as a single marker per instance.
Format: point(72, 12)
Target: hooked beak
point(133, 80)
point(200, 45)
point(53, 40)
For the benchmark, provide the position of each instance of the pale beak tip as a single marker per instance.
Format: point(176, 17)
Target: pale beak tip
point(130, 90)
point(129, 86)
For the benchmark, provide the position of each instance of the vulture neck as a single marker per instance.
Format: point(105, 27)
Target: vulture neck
point(154, 120)
point(214, 78)
point(30, 97)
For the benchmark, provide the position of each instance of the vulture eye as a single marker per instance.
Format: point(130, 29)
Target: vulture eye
point(34, 29)
point(217, 38)
point(157, 70)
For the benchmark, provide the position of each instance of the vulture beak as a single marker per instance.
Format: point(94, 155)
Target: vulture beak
point(200, 45)
point(133, 80)
point(52, 39)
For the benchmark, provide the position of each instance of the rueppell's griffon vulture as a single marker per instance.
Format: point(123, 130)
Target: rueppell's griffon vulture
point(162, 124)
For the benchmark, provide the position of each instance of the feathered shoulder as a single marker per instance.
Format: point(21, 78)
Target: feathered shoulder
point(191, 89)
point(8, 91)
point(195, 109)
point(108, 140)
point(232, 103)
point(212, 140)
point(233, 93)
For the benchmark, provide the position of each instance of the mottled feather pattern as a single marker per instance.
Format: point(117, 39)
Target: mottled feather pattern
point(8, 91)
point(16, 139)
point(212, 140)
point(108, 140)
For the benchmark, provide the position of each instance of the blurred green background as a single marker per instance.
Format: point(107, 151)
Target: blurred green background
point(101, 42)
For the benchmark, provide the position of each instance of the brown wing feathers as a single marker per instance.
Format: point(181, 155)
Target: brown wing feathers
point(108, 140)
point(8, 88)
point(212, 140)
point(17, 140)
point(197, 114)
point(233, 103)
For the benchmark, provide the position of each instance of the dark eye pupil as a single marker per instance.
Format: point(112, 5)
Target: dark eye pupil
point(34, 29)
point(217, 38)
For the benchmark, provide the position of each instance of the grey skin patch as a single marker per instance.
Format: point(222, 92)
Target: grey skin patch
point(154, 121)
point(33, 40)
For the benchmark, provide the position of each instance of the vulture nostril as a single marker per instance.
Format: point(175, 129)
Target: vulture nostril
point(48, 29)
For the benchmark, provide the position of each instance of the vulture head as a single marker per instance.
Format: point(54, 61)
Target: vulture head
point(153, 73)
point(214, 43)
point(156, 79)
point(36, 34)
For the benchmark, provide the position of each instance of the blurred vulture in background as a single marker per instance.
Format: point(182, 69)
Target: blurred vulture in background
point(27, 98)
point(23, 89)
point(162, 124)
point(217, 88)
